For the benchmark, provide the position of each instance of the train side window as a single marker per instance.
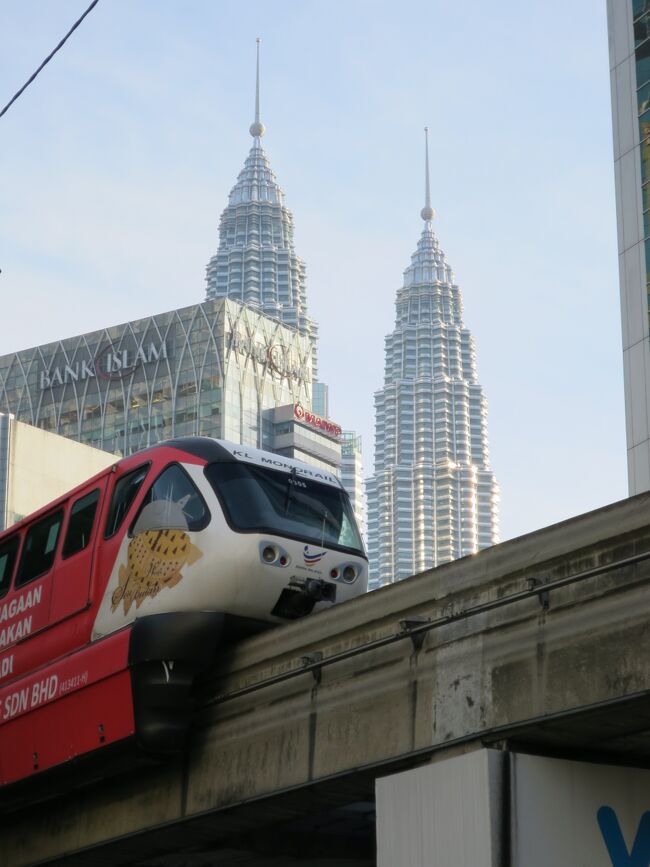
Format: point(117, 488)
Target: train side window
point(39, 548)
point(179, 499)
point(8, 551)
point(124, 494)
point(80, 525)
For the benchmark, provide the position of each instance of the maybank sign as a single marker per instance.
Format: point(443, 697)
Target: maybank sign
point(278, 359)
point(491, 808)
point(304, 416)
point(110, 363)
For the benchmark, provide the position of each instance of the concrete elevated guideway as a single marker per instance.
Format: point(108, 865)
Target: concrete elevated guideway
point(538, 645)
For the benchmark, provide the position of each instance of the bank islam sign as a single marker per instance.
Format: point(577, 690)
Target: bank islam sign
point(487, 809)
point(110, 363)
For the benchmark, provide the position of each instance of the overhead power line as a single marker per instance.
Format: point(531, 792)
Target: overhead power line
point(49, 57)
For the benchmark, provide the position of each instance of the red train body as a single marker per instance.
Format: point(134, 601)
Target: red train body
point(114, 597)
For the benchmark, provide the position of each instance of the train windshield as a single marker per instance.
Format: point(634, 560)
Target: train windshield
point(288, 504)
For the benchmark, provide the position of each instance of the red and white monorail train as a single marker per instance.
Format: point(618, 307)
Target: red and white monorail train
point(113, 597)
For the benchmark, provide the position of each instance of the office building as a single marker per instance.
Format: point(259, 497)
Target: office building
point(209, 369)
point(629, 54)
point(352, 478)
point(36, 467)
point(301, 434)
point(433, 496)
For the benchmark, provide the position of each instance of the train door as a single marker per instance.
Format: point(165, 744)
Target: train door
point(125, 496)
point(73, 571)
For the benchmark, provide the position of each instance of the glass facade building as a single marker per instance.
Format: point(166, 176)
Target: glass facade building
point(629, 54)
point(209, 369)
point(352, 478)
point(433, 496)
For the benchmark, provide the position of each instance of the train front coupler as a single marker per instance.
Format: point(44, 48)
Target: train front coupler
point(300, 597)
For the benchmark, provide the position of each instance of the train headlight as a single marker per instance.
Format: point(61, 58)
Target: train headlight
point(348, 572)
point(269, 554)
point(272, 554)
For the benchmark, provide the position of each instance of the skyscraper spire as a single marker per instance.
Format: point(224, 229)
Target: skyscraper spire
point(427, 213)
point(256, 262)
point(257, 128)
point(433, 496)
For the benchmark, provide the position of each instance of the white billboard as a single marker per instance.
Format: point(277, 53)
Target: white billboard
point(442, 815)
point(579, 814)
point(486, 809)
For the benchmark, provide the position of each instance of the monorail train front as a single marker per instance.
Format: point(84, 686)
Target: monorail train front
point(251, 535)
point(179, 549)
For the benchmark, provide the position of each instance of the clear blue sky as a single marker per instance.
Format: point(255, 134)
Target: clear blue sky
point(116, 164)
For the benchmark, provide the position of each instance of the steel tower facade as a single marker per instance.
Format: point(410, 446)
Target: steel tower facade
point(433, 496)
point(256, 262)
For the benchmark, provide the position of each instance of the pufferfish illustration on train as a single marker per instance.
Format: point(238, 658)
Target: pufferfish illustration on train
point(156, 558)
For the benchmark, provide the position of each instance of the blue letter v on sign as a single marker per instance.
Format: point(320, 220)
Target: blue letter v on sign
point(616, 847)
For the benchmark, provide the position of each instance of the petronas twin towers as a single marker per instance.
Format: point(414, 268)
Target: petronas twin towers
point(433, 496)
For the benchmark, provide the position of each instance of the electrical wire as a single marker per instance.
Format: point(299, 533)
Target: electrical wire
point(48, 58)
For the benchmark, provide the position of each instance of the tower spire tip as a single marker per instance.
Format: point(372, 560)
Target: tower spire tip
point(427, 213)
point(257, 128)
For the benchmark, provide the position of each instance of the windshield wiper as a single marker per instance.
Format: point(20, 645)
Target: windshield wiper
point(322, 535)
point(290, 490)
